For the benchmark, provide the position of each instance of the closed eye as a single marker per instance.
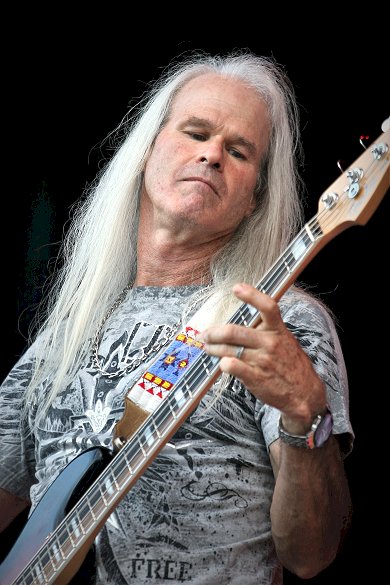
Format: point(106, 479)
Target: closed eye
point(204, 137)
point(236, 153)
point(197, 136)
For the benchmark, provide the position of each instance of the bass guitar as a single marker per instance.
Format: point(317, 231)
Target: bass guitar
point(56, 539)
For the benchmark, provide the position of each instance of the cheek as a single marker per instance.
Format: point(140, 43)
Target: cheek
point(160, 167)
point(155, 170)
point(243, 196)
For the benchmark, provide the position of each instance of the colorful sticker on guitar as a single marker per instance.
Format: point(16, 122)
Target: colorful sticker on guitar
point(169, 367)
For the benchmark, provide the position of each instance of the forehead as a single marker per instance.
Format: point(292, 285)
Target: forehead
point(224, 101)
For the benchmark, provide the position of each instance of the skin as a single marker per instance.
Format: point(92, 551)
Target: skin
point(199, 184)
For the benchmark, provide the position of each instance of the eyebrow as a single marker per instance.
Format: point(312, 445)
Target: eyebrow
point(236, 139)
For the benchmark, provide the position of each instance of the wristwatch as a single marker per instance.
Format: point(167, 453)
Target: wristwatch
point(320, 431)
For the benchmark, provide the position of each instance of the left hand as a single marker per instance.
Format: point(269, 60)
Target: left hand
point(273, 365)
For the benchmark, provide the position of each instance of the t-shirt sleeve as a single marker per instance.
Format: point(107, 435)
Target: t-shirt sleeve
point(315, 330)
point(17, 453)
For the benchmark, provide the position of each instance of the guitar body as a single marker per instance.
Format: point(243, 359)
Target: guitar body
point(55, 504)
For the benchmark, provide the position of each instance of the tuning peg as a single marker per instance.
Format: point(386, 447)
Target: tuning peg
point(362, 138)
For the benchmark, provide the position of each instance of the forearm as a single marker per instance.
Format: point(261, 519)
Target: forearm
point(311, 507)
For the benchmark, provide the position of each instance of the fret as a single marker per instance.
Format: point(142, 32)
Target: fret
point(84, 509)
point(289, 263)
point(88, 519)
point(74, 530)
point(55, 557)
point(56, 548)
point(147, 438)
point(313, 236)
point(134, 454)
point(299, 248)
point(138, 440)
point(46, 562)
point(161, 418)
point(132, 451)
point(28, 579)
point(94, 502)
point(105, 489)
point(207, 362)
point(120, 471)
point(127, 462)
point(38, 573)
point(80, 520)
point(65, 542)
point(284, 266)
point(53, 564)
point(172, 403)
point(126, 471)
point(243, 315)
point(110, 484)
point(156, 427)
point(180, 396)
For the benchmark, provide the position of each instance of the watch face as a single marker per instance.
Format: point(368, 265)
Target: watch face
point(323, 430)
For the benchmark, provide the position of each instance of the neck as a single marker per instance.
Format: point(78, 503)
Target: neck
point(162, 262)
point(173, 271)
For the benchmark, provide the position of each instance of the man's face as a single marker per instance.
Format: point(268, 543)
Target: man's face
point(202, 171)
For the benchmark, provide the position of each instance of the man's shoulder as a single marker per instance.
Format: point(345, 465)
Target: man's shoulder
point(298, 304)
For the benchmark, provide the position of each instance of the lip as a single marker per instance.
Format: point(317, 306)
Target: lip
point(202, 180)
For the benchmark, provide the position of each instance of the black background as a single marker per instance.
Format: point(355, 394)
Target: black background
point(66, 89)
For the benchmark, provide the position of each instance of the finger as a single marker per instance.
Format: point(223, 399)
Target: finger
point(225, 350)
point(229, 337)
point(268, 307)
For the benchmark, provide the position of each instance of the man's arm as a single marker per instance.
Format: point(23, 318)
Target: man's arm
point(311, 507)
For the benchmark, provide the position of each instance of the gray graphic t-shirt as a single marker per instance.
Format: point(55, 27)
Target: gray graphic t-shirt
point(200, 513)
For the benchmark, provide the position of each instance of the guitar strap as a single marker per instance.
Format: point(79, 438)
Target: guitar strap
point(163, 373)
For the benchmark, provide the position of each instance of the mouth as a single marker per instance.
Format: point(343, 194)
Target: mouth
point(202, 180)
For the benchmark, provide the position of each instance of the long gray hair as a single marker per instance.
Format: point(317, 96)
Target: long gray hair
point(98, 254)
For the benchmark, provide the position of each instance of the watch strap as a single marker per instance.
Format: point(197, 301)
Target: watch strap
point(306, 441)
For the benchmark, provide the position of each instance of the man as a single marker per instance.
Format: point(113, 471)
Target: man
point(199, 201)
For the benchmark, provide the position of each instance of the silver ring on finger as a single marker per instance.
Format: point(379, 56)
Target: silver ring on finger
point(239, 351)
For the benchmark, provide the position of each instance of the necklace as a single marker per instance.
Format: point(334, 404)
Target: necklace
point(141, 356)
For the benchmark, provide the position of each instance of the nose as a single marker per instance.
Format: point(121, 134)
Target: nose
point(212, 154)
point(205, 160)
